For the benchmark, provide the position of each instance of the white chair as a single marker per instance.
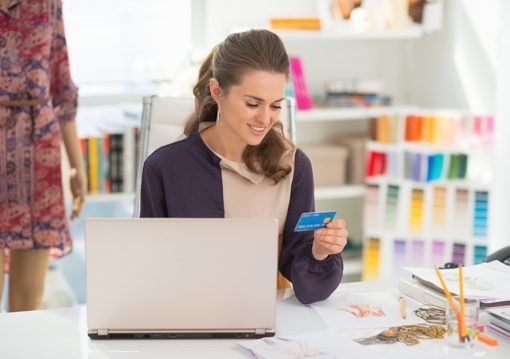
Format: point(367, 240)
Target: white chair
point(163, 120)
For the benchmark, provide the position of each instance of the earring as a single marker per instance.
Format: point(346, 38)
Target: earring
point(218, 115)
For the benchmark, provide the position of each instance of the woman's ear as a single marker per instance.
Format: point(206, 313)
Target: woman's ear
point(214, 88)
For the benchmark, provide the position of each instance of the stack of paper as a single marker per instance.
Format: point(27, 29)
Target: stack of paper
point(487, 282)
point(499, 319)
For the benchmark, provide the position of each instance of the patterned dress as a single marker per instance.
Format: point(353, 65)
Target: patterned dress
point(36, 97)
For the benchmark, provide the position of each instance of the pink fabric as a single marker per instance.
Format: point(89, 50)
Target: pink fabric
point(34, 58)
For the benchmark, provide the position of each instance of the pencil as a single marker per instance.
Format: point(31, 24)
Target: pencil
point(402, 307)
point(461, 299)
point(450, 300)
point(446, 291)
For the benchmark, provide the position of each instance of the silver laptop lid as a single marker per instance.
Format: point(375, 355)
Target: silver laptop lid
point(151, 277)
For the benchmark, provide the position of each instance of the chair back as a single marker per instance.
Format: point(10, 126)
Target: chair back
point(163, 119)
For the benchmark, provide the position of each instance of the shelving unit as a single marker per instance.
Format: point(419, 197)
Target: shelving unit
point(110, 197)
point(342, 114)
point(348, 33)
point(320, 123)
point(346, 191)
point(424, 213)
point(348, 113)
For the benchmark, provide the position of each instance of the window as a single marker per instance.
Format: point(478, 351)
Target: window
point(127, 47)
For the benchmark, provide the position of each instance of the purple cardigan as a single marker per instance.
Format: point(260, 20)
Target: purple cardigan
point(183, 179)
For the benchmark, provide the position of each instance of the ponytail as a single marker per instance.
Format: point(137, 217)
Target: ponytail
point(205, 107)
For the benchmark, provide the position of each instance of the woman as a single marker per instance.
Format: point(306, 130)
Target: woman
point(236, 162)
point(38, 104)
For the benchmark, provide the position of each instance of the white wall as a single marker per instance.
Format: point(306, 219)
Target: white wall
point(456, 67)
point(465, 66)
point(499, 208)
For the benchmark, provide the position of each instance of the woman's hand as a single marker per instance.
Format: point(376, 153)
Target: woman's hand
point(329, 240)
point(78, 184)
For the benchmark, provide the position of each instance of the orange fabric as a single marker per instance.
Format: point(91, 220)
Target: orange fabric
point(282, 282)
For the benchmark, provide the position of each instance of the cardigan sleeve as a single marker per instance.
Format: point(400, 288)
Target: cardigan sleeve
point(312, 280)
point(152, 193)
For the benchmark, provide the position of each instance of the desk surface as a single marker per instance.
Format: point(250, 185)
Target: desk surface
point(62, 333)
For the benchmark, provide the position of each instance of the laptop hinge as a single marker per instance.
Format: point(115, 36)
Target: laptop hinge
point(102, 332)
point(260, 331)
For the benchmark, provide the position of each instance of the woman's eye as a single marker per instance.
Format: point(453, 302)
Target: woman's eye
point(251, 104)
point(277, 107)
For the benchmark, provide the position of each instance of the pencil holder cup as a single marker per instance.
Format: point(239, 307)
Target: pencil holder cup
point(461, 330)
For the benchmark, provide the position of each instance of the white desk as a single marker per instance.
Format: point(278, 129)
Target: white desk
point(62, 334)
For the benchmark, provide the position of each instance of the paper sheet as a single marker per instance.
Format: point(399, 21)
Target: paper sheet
point(317, 345)
point(364, 310)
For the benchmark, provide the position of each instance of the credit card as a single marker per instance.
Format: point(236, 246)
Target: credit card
point(312, 220)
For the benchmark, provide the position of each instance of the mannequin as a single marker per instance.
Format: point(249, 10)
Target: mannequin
point(37, 112)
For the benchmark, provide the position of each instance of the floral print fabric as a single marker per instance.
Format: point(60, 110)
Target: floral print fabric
point(33, 64)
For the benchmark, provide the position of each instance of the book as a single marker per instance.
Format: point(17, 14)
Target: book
point(376, 164)
point(93, 160)
point(500, 317)
point(128, 157)
point(493, 328)
point(101, 175)
point(138, 161)
point(84, 152)
point(499, 326)
point(295, 23)
point(105, 168)
point(116, 170)
point(299, 85)
point(345, 99)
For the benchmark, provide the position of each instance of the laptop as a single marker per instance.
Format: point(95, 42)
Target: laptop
point(181, 278)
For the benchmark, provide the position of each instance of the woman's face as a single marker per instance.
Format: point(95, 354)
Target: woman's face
point(249, 110)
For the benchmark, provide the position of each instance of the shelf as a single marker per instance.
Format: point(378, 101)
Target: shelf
point(448, 183)
point(347, 33)
point(347, 191)
point(347, 113)
point(110, 197)
point(428, 147)
point(353, 266)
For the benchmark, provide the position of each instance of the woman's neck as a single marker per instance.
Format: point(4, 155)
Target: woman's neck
point(5, 3)
point(216, 140)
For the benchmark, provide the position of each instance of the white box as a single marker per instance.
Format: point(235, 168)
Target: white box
point(421, 293)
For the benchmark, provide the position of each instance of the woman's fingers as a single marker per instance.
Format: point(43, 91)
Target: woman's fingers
point(333, 238)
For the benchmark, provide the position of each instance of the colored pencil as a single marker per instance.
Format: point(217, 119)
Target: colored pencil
point(452, 303)
point(461, 299)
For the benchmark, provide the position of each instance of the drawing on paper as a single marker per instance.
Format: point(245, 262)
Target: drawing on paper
point(475, 283)
point(364, 310)
point(358, 306)
point(296, 349)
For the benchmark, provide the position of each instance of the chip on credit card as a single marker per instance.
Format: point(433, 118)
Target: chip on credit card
point(312, 220)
